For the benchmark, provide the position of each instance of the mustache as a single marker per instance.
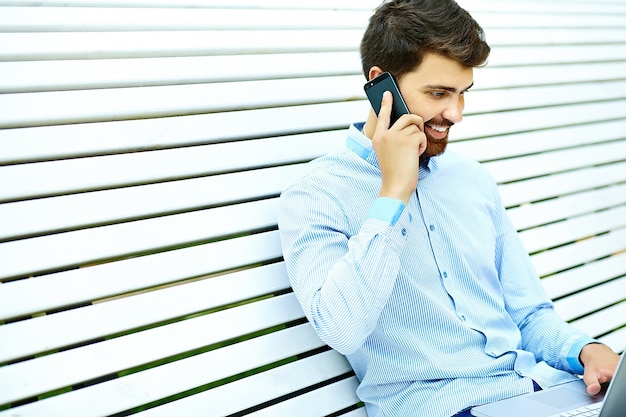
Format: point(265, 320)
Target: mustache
point(440, 122)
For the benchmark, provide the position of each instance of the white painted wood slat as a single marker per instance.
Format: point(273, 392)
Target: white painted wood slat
point(256, 389)
point(565, 206)
point(117, 316)
point(588, 275)
point(83, 285)
point(587, 301)
point(135, 238)
point(139, 388)
point(54, 142)
point(88, 19)
point(46, 373)
point(38, 217)
point(574, 229)
point(327, 399)
point(573, 255)
point(84, 174)
point(557, 161)
point(541, 188)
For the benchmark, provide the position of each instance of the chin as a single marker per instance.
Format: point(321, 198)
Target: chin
point(435, 147)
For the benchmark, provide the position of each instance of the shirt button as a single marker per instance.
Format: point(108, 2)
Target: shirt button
point(445, 275)
point(403, 232)
point(432, 227)
point(462, 317)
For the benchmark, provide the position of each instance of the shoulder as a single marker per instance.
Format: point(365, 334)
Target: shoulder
point(453, 161)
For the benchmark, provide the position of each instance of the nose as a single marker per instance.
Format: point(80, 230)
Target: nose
point(454, 111)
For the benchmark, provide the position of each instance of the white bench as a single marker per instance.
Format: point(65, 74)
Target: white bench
point(144, 143)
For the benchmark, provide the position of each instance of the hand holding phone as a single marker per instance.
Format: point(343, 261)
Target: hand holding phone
point(398, 146)
point(374, 90)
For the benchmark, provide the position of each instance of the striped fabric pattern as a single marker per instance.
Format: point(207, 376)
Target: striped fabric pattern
point(437, 308)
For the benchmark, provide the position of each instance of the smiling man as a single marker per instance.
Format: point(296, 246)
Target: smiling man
point(400, 251)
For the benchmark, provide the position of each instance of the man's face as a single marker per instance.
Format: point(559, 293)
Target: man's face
point(435, 91)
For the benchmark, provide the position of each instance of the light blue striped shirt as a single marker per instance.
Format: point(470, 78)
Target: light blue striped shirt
point(435, 303)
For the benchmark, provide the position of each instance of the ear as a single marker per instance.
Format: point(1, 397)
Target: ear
point(375, 72)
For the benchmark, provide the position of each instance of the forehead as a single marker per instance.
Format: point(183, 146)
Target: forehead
point(438, 70)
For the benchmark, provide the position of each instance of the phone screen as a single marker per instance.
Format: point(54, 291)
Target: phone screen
point(374, 90)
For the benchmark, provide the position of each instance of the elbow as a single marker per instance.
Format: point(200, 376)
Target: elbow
point(345, 336)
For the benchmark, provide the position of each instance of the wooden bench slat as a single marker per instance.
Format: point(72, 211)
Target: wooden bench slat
point(27, 144)
point(565, 206)
point(136, 389)
point(67, 141)
point(142, 236)
point(569, 256)
point(106, 45)
point(89, 19)
point(47, 373)
point(84, 174)
point(536, 189)
point(573, 229)
point(585, 302)
point(498, 77)
point(89, 283)
point(83, 210)
point(546, 163)
point(184, 43)
point(256, 389)
point(507, 36)
point(327, 399)
point(509, 122)
point(603, 321)
point(33, 76)
point(24, 76)
point(117, 316)
point(555, 54)
point(50, 19)
point(32, 109)
point(585, 276)
point(547, 139)
point(123, 204)
point(80, 210)
point(227, 4)
point(474, 5)
point(616, 339)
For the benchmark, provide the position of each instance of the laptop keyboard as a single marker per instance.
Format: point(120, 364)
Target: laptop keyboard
point(587, 411)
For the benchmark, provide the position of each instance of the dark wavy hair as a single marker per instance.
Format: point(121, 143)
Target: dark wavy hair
point(400, 32)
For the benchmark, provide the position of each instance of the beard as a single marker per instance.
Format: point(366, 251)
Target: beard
point(436, 145)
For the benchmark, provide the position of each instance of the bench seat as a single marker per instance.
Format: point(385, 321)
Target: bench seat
point(143, 148)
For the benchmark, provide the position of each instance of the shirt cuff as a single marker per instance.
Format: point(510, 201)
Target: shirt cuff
point(387, 209)
point(573, 355)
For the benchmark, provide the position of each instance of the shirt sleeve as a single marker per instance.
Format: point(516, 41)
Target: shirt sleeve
point(342, 281)
point(543, 332)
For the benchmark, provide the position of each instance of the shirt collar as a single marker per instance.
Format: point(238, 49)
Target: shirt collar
point(362, 146)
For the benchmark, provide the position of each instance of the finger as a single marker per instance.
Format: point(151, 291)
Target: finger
point(593, 384)
point(384, 114)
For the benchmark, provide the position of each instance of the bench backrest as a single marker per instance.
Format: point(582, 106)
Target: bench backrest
point(144, 143)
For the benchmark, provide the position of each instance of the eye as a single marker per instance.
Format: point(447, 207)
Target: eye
point(437, 94)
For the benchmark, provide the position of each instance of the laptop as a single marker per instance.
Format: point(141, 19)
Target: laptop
point(564, 400)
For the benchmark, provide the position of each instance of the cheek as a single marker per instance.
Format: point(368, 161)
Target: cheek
point(422, 108)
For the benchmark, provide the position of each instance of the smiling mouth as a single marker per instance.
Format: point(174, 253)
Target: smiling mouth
point(436, 131)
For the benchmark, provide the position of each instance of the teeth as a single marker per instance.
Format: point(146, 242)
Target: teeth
point(440, 129)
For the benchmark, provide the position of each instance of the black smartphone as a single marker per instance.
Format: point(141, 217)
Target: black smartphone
point(374, 90)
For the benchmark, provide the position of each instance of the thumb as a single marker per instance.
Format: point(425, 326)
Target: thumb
point(384, 114)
